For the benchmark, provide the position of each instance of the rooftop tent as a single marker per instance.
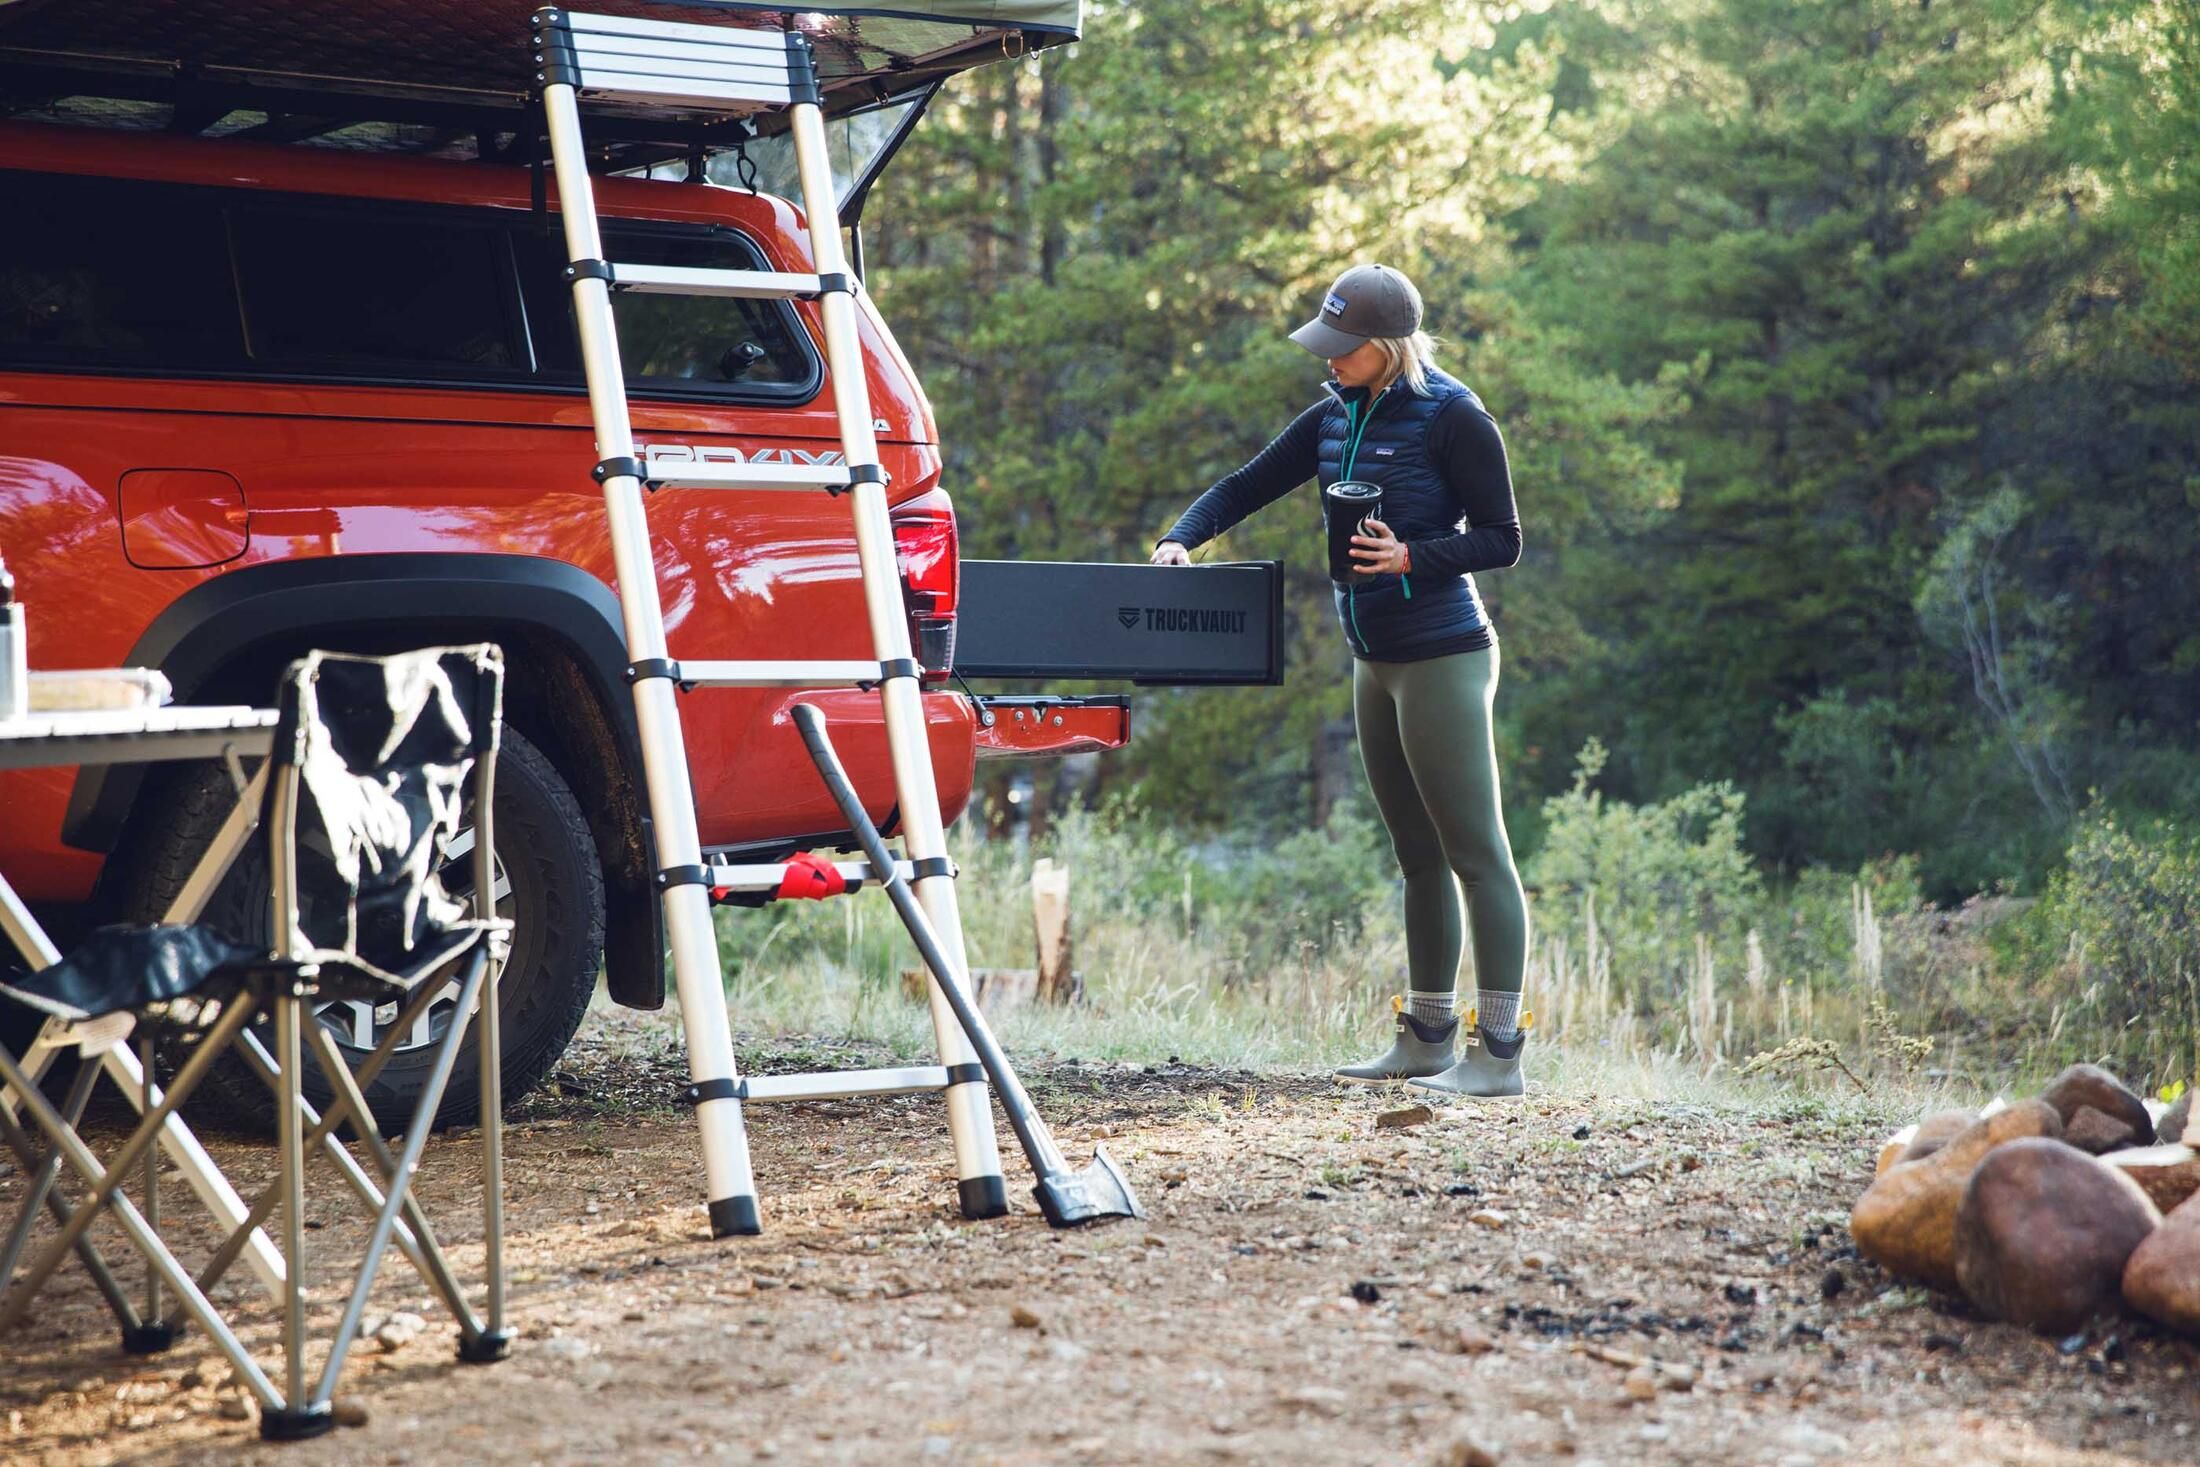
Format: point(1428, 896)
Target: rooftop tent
point(400, 72)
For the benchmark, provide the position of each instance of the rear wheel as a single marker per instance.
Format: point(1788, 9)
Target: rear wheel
point(548, 882)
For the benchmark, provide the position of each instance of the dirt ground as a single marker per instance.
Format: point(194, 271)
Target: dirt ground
point(1306, 1288)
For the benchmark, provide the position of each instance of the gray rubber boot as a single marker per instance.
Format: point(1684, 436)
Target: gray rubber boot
point(1489, 1070)
point(1420, 1049)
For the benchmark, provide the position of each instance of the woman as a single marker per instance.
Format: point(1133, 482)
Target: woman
point(1424, 658)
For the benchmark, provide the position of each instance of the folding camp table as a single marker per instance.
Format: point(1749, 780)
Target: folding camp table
point(137, 736)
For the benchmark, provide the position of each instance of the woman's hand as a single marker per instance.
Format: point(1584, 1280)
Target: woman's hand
point(1168, 552)
point(1380, 552)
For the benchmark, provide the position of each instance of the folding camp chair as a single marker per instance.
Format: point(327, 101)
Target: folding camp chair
point(371, 762)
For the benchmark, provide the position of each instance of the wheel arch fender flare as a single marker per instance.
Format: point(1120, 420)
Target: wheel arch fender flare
point(208, 636)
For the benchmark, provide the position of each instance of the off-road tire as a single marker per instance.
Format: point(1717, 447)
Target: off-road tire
point(556, 903)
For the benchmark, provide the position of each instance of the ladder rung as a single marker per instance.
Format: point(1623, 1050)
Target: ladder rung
point(662, 91)
point(768, 877)
point(778, 674)
point(748, 476)
point(733, 68)
point(619, 35)
point(684, 33)
point(748, 285)
point(842, 1084)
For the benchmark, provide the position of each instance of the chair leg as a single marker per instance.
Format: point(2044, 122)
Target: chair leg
point(32, 942)
point(400, 1188)
point(155, 1334)
point(197, 1169)
point(195, 1302)
point(42, 1171)
point(493, 1342)
point(43, 1195)
point(141, 1140)
point(322, 1135)
point(296, 1419)
point(426, 1254)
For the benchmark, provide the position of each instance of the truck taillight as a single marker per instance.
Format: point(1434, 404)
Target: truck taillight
point(931, 577)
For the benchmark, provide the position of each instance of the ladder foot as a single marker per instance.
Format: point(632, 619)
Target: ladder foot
point(983, 1197)
point(735, 1217)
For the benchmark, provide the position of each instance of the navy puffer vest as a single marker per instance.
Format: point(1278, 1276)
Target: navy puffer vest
point(1388, 619)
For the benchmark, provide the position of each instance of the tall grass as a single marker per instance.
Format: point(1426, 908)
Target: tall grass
point(1658, 954)
point(1211, 955)
point(1195, 955)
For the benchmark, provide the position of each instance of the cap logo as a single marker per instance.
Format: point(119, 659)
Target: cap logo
point(1335, 305)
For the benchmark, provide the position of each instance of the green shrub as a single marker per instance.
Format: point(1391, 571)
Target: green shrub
point(2116, 940)
point(1659, 874)
point(1317, 885)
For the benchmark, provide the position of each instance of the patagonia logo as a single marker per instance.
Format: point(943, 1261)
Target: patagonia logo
point(1334, 305)
point(1182, 619)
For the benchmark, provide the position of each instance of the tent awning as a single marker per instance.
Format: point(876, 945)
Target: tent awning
point(451, 63)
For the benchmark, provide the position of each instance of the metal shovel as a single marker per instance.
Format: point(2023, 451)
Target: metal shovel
point(1068, 1198)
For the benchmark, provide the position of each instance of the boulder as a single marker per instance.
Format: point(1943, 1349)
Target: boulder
point(2094, 1132)
point(2170, 1129)
point(2082, 1085)
point(2162, 1280)
point(1906, 1221)
point(2044, 1232)
point(2167, 1174)
point(1938, 1129)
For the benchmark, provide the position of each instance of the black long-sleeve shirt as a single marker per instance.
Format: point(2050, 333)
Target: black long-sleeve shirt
point(1464, 444)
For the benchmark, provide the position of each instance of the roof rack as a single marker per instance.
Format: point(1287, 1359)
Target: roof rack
point(448, 77)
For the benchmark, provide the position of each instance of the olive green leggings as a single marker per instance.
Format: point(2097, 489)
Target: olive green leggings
point(1431, 760)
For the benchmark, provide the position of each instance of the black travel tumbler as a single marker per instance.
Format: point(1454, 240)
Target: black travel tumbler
point(1346, 506)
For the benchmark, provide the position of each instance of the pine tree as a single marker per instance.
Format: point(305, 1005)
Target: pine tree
point(1852, 225)
point(1094, 259)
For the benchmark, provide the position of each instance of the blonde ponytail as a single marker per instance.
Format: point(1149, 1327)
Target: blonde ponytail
point(1408, 359)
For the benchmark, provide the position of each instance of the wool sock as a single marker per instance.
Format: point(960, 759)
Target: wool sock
point(1497, 1013)
point(1429, 1008)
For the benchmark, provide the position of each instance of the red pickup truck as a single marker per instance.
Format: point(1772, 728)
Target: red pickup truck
point(257, 398)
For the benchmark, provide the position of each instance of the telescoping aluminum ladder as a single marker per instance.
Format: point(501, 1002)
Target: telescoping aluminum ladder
point(697, 68)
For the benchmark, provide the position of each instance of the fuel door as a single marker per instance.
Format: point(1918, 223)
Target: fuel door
point(182, 519)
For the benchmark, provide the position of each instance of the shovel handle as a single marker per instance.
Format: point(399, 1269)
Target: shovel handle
point(1039, 1146)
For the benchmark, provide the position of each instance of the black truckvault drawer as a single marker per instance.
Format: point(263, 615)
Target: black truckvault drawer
point(1150, 624)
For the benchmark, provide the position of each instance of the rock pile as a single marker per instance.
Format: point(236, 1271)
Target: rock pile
point(2048, 1211)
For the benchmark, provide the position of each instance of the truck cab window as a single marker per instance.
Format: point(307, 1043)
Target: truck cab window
point(87, 280)
point(348, 290)
point(670, 342)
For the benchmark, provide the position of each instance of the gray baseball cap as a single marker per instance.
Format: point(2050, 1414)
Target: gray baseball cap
point(1367, 301)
